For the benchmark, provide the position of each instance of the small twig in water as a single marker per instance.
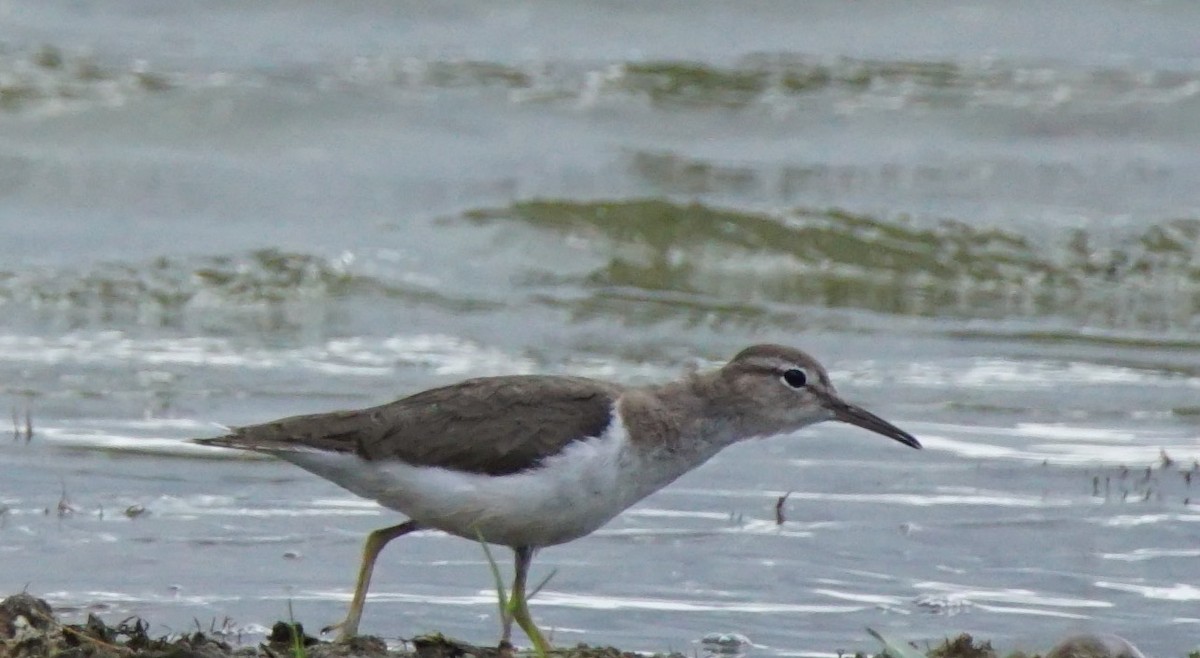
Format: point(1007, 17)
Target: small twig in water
point(64, 505)
point(779, 517)
point(1164, 458)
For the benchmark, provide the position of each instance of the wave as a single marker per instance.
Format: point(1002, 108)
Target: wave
point(53, 79)
point(50, 80)
point(261, 284)
point(771, 79)
point(655, 260)
point(694, 258)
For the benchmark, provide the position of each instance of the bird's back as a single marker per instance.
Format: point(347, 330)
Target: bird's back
point(489, 425)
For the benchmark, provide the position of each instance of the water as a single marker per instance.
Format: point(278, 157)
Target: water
point(981, 217)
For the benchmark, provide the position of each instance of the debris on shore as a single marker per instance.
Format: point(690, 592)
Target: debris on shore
point(30, 629)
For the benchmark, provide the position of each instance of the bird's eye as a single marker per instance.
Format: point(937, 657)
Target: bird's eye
point(795, 378)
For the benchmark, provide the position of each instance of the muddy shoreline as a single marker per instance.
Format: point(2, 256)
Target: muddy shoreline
point(29, 628)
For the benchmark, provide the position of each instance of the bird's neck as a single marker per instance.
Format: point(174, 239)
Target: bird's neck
point(682, 418)
point(671, 429)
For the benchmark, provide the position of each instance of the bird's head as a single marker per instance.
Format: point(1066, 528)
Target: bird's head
point(775, 389)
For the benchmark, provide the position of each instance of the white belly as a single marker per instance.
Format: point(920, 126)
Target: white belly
point(570, 495)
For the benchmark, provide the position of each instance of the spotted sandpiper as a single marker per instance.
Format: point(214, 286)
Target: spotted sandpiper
point(536, 460)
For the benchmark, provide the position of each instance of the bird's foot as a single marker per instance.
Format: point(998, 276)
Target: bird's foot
point(347, 630)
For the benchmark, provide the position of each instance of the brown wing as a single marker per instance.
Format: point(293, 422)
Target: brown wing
point(493, 425)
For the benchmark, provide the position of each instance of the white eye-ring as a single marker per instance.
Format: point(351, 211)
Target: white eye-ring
point(795, 378)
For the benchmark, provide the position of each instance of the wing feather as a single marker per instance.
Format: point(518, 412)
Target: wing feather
point(492, 425)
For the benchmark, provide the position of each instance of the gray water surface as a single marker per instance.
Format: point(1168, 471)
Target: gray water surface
point(982, 217)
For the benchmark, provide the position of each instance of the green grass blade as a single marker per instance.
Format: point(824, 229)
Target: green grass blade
point(501, 592)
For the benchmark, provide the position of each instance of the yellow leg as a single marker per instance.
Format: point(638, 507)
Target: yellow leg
point(518, 604)
point(348, 628)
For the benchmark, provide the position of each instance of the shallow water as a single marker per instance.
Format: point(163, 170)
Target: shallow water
point(982, 218)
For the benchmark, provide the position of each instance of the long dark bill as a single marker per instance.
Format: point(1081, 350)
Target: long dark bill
point(849, 413)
